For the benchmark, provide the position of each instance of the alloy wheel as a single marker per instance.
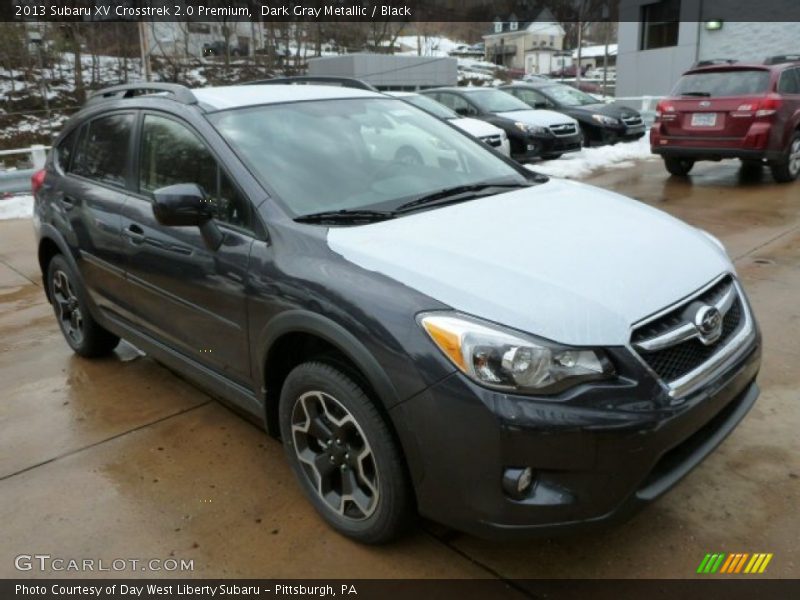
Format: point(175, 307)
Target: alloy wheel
point(335, 455)
point(67, 307)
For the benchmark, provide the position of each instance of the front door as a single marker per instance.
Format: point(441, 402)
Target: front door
point(185, 294)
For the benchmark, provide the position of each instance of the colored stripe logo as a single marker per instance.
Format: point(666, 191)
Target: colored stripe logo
point(734, 563)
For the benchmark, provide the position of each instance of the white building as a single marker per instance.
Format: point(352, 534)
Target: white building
point(659, 40)
point(190, 39)
point(530, 46)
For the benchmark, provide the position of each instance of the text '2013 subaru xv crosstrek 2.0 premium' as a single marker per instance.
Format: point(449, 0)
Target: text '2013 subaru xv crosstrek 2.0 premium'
point(464, 339)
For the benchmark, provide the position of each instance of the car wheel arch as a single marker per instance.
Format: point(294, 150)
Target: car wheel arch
point(50, 245)
point(319, 337)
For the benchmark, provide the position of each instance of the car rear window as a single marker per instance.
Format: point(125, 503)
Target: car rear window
point(740, 82)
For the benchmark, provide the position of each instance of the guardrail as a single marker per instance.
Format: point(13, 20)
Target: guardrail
point(14, 181)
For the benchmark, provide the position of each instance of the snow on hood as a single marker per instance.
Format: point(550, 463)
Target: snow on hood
point(540, 117)
point(476, 127)
point(562, 260)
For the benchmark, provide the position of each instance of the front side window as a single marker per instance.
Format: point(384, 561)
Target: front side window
point(353, 154)
point(171, 154)
point(432, 106)
point(530, 97)
point(103, 151)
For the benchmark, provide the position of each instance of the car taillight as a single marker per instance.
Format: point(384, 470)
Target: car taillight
point(665, 111)
point(768, 105)
point(37, 180)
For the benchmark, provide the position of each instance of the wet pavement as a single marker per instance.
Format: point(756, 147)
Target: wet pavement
point(120, 458)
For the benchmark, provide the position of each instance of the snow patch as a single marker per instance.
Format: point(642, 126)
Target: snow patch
point(16, 207)
point(577, 165)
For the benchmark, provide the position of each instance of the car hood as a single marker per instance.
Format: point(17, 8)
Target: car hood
point(476, 127)
point(540, 117)
point(562, 260)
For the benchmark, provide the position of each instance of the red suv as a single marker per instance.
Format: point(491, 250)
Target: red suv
point(733, 110)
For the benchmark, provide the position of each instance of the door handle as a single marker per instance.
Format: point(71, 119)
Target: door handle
point(134, 233)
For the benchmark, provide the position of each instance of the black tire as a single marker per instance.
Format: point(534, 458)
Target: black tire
point(80, 330)
point(587, 136)
point(788, 169)
point(678, 166)
point(752, 165)
point(314, 397)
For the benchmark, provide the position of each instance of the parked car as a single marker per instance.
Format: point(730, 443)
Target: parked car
point(505, 353)
point(600, 123)
point(486, 132)
point(217, 48)
point(531, 133)
point(745, 111)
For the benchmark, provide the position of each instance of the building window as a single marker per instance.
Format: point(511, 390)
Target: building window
point(660, 22)
point(513, 25)
point(552, 40)
point(498, 26)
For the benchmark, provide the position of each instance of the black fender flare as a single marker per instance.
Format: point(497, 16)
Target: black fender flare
point(305, 321)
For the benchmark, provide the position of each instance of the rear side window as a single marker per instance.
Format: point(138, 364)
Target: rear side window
point(723, 83)
point(102, 154)
point(171, 154)
point(65, 150)
point(789, 82)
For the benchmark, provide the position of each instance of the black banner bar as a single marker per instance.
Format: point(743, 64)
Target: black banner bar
point(730, 588)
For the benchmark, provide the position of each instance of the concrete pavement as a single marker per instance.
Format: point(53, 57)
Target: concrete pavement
point(121, 458)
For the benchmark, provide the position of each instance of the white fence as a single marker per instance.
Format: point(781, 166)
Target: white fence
point(14, 180)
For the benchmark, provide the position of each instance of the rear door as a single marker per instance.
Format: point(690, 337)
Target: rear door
point(718, 104)
point(93, 196)
point(183, 293)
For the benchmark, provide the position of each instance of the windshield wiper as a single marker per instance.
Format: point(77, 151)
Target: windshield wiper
point(455, 191)
point(346, 216)
point(701, 94)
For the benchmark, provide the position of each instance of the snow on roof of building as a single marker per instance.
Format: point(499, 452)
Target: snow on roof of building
point(595, 51)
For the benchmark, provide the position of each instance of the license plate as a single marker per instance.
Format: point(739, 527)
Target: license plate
point(704, 119)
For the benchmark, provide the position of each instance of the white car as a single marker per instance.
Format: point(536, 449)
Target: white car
point(486, 132)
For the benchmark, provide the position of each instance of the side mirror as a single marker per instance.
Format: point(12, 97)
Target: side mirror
point(181, 205)
point(186, 205)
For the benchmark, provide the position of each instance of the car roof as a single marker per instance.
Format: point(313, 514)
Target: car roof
point(239, 96)
point(737, 67)
point(402, 94)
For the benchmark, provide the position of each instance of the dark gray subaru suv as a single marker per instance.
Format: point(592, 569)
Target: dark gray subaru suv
point(454, 336)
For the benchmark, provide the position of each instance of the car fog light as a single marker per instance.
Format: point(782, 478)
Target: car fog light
point(517, 482)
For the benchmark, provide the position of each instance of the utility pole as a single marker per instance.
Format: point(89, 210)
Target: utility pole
point(144, 51)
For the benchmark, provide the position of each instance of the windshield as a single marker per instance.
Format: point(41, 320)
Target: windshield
point(723, 83)
point(432, 106)
point(568, 96)
point(494, 101)
point(357, 153)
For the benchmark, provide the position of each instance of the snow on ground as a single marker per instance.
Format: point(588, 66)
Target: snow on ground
point(577, 165)
point(16, 207)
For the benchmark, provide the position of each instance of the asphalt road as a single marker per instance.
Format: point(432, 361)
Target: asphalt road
point(120, 458)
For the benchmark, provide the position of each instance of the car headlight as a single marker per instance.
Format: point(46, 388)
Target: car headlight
point(533, 129)
point(605, 120)
point(507, 360)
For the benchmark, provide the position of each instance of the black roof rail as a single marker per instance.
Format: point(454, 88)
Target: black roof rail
point(350, 82)
point(782, 58)
point(180, 93)
point(714, 61)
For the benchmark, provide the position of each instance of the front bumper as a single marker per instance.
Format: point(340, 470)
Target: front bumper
point(532, 147)
point(597, 455)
